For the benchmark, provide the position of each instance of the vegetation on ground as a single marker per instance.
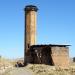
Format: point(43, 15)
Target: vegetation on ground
point(39, 69)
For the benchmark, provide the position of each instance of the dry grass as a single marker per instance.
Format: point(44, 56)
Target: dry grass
point(41, 69)
point(5, 64)
point(50, 70)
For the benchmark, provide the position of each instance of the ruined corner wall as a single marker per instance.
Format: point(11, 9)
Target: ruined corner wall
point(60, 56)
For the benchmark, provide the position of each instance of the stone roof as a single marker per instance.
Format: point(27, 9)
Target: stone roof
point(51, 45)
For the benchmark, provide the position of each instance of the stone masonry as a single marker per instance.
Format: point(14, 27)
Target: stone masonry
point(30, 28)
point(56, 55)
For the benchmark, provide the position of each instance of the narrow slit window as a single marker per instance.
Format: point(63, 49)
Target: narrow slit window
point(28, 46)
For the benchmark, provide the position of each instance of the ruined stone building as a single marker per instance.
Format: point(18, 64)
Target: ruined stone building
point(51, 54)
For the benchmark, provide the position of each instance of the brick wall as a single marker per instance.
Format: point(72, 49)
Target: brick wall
point(60, 56)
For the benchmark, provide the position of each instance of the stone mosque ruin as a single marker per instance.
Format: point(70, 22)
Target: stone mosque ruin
point(51, 54)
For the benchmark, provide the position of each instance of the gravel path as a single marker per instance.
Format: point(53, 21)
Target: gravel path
point(18, 71)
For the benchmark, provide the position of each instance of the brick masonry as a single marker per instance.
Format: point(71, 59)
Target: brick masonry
point(57, 55)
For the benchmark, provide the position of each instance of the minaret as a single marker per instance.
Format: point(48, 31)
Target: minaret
point(30, 29)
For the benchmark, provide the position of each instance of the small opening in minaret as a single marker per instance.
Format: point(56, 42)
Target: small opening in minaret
point(28, 46)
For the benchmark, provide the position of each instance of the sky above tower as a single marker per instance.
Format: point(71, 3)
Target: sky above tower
point(55, 25)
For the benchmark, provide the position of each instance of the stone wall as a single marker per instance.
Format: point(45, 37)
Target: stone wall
point(50, 55)
point(60, 56)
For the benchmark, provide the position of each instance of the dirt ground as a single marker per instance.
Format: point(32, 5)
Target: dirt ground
point(40, 69)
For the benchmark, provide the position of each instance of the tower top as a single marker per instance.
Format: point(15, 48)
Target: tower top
point(31, 8)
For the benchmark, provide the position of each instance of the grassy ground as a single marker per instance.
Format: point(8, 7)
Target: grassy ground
point(36, 69)
point(50, 70)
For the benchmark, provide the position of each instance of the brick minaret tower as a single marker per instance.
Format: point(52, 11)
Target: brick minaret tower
point(30, 29)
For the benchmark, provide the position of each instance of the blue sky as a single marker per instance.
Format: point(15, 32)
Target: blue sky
point(55, 25)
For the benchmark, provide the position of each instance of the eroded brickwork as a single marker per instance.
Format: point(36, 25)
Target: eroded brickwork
point(50, 55)
point(60, 56)
point(57, 55)
point(30, 29)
